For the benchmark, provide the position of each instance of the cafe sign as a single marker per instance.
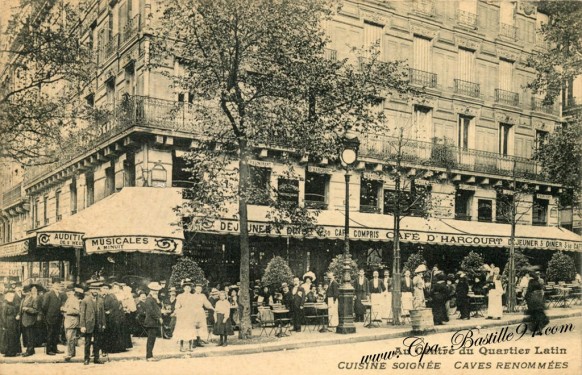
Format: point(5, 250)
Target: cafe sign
point(60, 239)
point(375, 234)
point(146, 244)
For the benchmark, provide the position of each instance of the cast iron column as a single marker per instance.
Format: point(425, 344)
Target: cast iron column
point(346, 297)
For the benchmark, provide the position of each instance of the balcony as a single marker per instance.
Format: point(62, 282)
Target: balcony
point(330, 54)
point(507, 31)
point(463, 217)
point(424, 7)
point(443, 155)
point(467, 88)
point(130, 30)
point(109, 49)
point(369, 209)
point(507, 97)
point(539, 222)
point(134, 112)
point(465, 18)
point(539, 106)
point(12, 196)
point(422, 78)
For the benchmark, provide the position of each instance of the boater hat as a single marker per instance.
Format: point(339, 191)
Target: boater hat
point(155, 286)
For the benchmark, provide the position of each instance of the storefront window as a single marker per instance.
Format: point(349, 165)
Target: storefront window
point(485, 209)
point(73, 195)
point(503, 208)
point(316, 186)
point(260, 186)
point(463, 199)
point(369, 191)
point(90, 182)
point(540, 212)
point(288, 191)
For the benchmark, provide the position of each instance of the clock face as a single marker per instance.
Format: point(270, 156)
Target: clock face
point(348, 156)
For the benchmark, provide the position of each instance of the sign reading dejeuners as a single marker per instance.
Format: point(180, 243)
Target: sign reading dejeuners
point(371, 234)
point(146, 244)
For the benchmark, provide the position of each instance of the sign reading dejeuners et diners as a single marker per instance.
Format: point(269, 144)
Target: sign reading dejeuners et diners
point(146, 244)
point(371, 234)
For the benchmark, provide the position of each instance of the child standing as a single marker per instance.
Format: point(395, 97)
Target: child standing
point(222, 325)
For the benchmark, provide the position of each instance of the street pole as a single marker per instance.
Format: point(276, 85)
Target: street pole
point(396, 277)
point(346, 297)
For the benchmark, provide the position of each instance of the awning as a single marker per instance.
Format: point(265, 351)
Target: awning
point(139, 219)
point(16, 249)
point(378, 227)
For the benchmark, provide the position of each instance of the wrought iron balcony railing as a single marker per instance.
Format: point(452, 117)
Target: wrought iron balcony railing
point(136, 111)
point(12, 196)
point(467, 88)
point(130, 29)
point(330, 54)
point(443, 155)
point(109, 49)
point(425, 79)
point(508, 31)
point(506, 97)
point(466, 18)
point(538, 105)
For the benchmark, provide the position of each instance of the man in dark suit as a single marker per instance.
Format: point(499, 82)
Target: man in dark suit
point(51, 308)
point(298, 300)
point(462, 290)
point(29, 310)
point(18, 297)
point(92, 321)
point(153, 318)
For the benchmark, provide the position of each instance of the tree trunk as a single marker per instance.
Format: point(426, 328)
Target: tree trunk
point(396, 276)
point(511, 299)
point(244, 296)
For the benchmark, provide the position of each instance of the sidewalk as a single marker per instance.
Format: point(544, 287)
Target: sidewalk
point(169, 348)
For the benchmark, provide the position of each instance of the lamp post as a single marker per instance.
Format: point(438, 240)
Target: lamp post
point(348, 157)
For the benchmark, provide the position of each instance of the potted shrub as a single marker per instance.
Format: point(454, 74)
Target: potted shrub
point(276, 273)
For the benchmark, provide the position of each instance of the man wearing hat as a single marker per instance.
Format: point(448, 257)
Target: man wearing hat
point(462, 290)
point(92, 321)
point(29, 310)
point(71, 310)
point(51, 307)
point(153, 318)
point(18, 297)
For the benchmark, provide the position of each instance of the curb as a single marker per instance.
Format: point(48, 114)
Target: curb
point(278, 346)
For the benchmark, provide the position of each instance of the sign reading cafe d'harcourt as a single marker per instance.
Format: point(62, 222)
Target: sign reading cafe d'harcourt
point(371, 234)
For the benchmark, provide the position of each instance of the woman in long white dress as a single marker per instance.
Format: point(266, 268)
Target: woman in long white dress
point(185, 330)
point(495, 307)
point(418, 301)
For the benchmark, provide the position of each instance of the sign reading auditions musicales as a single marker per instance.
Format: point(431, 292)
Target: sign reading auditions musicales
point(133, 243)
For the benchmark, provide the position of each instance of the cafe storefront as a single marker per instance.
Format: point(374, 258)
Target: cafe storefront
point(134, 232)
point(442, 241)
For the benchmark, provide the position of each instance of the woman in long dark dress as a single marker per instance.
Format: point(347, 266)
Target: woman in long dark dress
point(11, 326)
point(535, 303)
point(439, 294)
point(114, 341)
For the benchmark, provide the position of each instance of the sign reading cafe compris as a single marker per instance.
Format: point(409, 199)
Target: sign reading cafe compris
point(147, 244)
point(380, 234)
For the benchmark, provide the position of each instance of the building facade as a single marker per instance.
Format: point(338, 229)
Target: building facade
point(469, 141)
